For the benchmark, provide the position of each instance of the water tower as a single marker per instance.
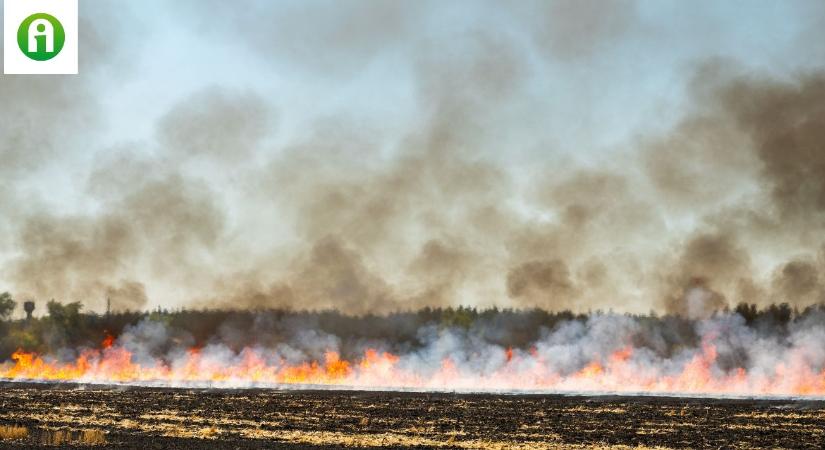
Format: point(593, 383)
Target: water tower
point(28, 306)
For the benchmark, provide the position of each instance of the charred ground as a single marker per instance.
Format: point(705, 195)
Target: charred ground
point(195, 418)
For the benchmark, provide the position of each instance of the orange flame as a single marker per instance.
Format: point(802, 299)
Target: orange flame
point(522, 370)
point(108, 341)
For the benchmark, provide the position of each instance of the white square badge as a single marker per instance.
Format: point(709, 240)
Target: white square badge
point(40, 36)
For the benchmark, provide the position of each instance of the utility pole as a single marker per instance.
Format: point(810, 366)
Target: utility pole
point(108, 306)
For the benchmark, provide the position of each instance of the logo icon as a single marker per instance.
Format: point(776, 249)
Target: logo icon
point(41, 37)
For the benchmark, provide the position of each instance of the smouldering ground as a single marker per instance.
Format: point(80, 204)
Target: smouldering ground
point(33, 415)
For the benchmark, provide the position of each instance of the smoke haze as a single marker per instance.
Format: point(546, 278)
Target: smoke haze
point(388, 157)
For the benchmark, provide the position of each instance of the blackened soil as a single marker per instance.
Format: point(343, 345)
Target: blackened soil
point(149, 418)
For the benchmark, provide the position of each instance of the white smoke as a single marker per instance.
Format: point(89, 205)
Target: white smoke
point(723, 354)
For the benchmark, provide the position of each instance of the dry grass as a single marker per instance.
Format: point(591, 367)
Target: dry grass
point(590, 410)
point(13, 432)
point(65, 437)
point(208, 432)
point(56, 437)
point(92, 437)
point(775, 415)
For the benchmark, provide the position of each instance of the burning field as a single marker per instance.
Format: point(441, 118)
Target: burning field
point(747, 352)
point(436, 378)
point(467, 224)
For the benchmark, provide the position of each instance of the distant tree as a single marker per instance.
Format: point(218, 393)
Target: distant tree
point(66, 316)
point(7, 305)
point(779, 314)
point(748, 311)
point(461, 317)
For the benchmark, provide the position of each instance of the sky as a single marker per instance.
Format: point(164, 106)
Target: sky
point(372, 156)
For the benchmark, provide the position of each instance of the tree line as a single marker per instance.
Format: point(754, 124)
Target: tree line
point(67, 325)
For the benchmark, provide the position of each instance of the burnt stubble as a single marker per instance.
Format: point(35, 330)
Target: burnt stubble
point(143, 417)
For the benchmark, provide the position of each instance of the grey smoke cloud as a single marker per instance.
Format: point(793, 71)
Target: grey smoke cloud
point(464, 196)
point(219, 123)
point(569, 30)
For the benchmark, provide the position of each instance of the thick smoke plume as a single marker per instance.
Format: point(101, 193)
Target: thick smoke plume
point(214, 206)
point(435, 224)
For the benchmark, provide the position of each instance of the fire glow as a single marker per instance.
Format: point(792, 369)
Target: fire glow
point(624, 370)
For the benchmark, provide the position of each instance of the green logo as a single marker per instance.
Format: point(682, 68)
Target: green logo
point(41, 37)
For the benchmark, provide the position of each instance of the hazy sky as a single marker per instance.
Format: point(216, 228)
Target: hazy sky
point(375, 155)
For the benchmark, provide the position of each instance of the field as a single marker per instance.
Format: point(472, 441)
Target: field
point(34, 415)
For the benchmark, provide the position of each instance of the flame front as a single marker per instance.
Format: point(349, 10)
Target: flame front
point(620, 371)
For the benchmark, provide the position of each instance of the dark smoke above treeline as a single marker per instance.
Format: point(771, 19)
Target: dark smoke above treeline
point(750, 158)
point(725, 205)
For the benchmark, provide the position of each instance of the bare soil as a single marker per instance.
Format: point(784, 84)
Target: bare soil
point(84, 416)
